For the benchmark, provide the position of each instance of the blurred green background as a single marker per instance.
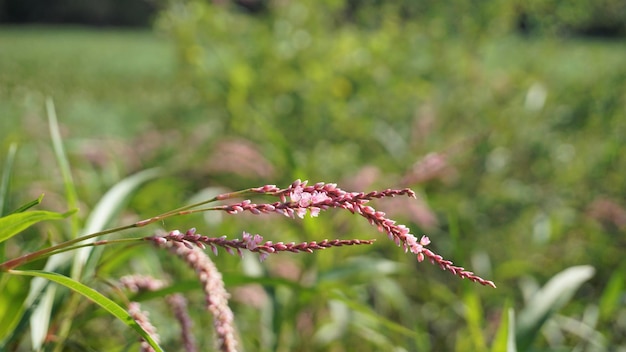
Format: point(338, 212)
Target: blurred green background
point(508, 118)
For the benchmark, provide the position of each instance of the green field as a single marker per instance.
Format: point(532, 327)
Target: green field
point(531, 131)
point(106, 82)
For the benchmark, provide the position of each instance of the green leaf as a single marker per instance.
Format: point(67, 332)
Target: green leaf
point(610, 300)
point(96, 297)
point(13, 224)
point(474, 317)
point(511, 343)
point(549, 299)
point(105, 212)
point(14, 291)
point(5, 182)
point(504, 340)
point(29, 205)
point(64, 164)
point(369, 312)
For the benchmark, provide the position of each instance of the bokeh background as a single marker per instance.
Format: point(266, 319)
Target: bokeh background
point(508, 118)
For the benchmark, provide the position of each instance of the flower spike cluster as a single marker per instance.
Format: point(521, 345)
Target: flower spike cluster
point(213, 286)
point(141, 318)
point(252, 243)
point(177, 303)
point(319, 197)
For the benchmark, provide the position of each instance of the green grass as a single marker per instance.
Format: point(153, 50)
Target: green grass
point(106, 82)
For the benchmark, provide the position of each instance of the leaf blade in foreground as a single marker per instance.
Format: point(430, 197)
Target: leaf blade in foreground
point(13, 224)
point(95, 297)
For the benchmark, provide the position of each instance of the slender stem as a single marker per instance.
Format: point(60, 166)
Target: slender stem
point(67, 245)
point(29, 257)
point(135, 240)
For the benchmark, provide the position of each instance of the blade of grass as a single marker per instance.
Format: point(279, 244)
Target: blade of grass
point(368, 311)
point(5, 183)
point(511, 343)
point(13, 224)
point(39, 320)
point(14, 291)
point(64, 164)
point(549, 299)
point(29, 205)
point(26, 309)
point(473, 317)
point(504, 340)
point(611, 295)
point(106, 210)
point(103, 213)
point(96, 297)
point(43, 312)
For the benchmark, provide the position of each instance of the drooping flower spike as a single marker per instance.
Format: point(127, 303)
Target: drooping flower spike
point(252, 243)
point(319, 197)
point(176, 302)
point(215, 294)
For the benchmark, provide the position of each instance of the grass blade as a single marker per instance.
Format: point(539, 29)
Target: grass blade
point(64, 164)
point(13, 224)
point(96, 297)
point(504, 340)
point(549, 299)
point(14, 291)
point(106, 210)
point(511, 343)
point(29, 205)
point(474, 318)
point(5, 183)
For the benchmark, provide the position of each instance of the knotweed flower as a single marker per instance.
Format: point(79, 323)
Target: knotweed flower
point(213, 286)
point(136, 283)
point(142, 319)
point(323, 196)
point(177, 303)
point(250, 243)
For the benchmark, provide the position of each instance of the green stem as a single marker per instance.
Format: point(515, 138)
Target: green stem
point(67, 245)
point(29, 257)
point(95, 244)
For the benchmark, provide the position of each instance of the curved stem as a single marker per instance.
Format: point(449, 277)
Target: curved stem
point(67, 245)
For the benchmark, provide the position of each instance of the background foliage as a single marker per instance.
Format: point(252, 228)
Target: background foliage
point(505, 117)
